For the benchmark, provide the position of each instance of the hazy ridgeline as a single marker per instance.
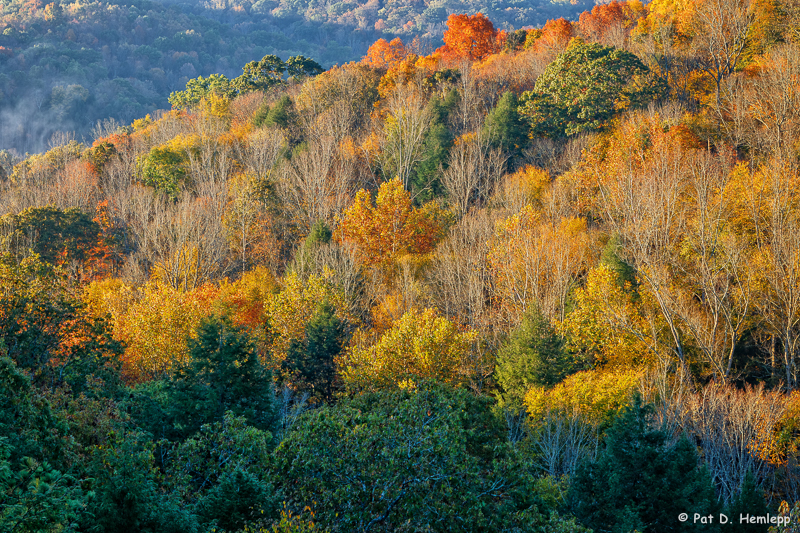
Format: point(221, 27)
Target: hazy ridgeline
point(66, 66)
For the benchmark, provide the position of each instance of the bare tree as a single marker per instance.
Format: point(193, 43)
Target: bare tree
point(720, 37)
point(261, 152)
point(242, 217)
point(318, 182)
point(407, 120)
point(713, 270)
point(774, 100)
point(460, 276)
point(474, 167)
point(536, 261)
point(470, 112)
point(560, 440)
point(778, 302)
point(643, 206)
point(184, 244)
point(75, 186)
point(733, 428)
point(213, 159)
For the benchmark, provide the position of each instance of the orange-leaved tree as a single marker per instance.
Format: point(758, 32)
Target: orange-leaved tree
point(469, 37)
point(384, 54)
point(554, 36)
point(391, 228)
point(610, 24)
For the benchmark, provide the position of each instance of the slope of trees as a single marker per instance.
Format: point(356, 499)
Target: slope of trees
point(65, 66)
point(540, 280)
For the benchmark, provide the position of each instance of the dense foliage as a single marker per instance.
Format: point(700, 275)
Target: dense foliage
point(543, 280)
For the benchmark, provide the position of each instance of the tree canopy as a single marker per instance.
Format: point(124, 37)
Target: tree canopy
point(585, 87)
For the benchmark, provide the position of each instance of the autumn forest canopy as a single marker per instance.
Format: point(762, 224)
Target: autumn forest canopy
point(66, 65)
point(541, 279)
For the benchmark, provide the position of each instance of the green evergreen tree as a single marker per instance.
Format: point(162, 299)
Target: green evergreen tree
point(221, 471)
point(261, 114)
point(585, 87)
point(425, 181)
point(626, 274)
point(310, 362)
point(749, 501)
point(299, 67)
point(35, 493)
point(225, 374)
point(429, 459)
point(27, 422)
point(515, 40)
point(505, 126)
point(199, 88)
point(125, 496)
point(642, 482)
point(280, 114)
point(260, 75)
point(51, 232)
point(238, 498)
point(533, 355)
point(34, 496)
point(319, 235)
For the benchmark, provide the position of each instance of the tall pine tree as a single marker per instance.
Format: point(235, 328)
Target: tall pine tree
point(642, 482)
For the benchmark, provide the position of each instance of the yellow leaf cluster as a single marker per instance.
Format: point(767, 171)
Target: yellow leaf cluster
point(535, 261)
point(596, 395)
point(527, 185)
point(604, 320)
point(215, 105)
point(420, 346)
point(290, 310)
point(183, 143)
point(108, 297)
point(157, 326)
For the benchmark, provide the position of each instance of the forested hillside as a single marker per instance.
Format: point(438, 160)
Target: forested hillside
point(66, 65)
point(539, 280)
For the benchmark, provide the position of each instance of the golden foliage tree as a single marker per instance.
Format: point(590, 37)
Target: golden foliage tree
point(392, 227)
point(596, 395)
point(420, 346)
point(290, 310)
point(157, 327)
point(537, 261)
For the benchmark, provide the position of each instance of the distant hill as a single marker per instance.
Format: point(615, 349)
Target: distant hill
point(65, 66)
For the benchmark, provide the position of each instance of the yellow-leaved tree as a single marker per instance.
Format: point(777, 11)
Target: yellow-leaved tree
point(421, 345)
point(610, 325)
point(536, 261)
point(157, 326)
point(290, 310)
point(597, 396)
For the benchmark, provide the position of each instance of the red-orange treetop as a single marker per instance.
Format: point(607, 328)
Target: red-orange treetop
point(383, 54)
point(470, 37)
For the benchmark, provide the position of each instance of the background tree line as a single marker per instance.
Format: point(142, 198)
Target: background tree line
point(65, 66)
